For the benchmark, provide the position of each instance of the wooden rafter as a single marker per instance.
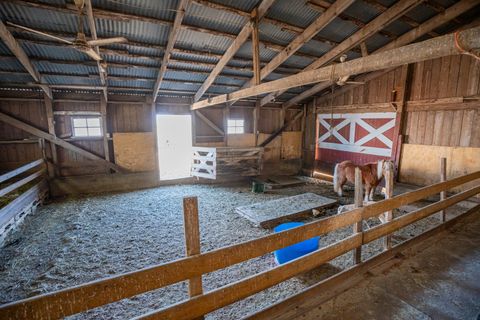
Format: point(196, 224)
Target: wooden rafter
point(172, 37)
point(53, 139)
point(377, 24)
point(93, 35)
point(121, 16)
point(256, 48)
point(322, 5)
point(260, 11)
point(20, 54)
point(429, 25)
point(321, 22)
point(429, 49)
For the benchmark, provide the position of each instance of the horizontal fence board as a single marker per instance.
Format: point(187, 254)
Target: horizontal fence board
point(226, 295)
point(22, 182)
point(411, 217)
point(22, 169)
point(96, 293)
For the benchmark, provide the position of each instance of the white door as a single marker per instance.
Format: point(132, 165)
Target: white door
point(174, 134)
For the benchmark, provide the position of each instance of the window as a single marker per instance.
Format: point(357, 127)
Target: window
point(235, 126)
point(87, 127)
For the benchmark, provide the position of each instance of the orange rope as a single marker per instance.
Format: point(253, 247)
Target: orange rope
point(462, 50)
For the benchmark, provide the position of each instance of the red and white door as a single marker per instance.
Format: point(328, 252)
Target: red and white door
point(360, 137)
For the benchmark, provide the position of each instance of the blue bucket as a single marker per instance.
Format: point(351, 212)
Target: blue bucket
point(296, 250)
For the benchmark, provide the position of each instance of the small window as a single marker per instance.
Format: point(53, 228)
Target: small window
point(235, 126)
point(87, 127)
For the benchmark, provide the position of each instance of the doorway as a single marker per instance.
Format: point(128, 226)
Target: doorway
point(174, 136)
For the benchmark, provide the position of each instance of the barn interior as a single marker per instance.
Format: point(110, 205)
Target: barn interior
point(156, 157)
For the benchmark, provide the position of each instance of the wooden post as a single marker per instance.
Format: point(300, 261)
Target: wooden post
point(51, 129)
point(256, 115)
point(194, 127)
point(388, 194)
point(192, 240)
point(226, 116)
point(103, 112)
point(357, 227)
point(153, 114)
point(443, 177)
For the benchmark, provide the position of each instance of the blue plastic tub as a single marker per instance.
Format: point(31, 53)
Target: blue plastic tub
point(296, 250)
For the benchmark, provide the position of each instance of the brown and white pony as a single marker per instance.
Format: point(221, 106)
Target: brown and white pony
point(372, 175)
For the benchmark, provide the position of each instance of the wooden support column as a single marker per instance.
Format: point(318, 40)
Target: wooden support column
point(103, 112)
point(52, 170)
point(357, 227)
point(404, 96)
point(363, 48)
point(443, 177)
point(389, 214)
point(226, 116)
point(192, 241)
point(150, 101)
point(256, 116)
point(194, 127)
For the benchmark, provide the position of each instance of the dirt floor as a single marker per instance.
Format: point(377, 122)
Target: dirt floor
point(75, 240)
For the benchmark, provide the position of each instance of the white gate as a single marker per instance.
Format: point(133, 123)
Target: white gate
point(204, 163)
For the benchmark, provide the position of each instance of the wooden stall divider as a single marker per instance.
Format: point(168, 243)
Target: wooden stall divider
point(192, 241)
point(443, 177)
point(388, 195)
point(357, 227)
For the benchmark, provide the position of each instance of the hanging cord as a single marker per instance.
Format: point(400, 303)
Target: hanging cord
point(462, 50)
point(332, 81)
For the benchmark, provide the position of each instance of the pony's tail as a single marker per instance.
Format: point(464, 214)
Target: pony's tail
point(335, 178)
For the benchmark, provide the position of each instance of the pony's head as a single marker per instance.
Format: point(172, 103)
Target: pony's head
point(387, 165)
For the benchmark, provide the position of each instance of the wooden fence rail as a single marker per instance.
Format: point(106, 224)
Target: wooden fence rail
point(90, 295)
point(9, 175)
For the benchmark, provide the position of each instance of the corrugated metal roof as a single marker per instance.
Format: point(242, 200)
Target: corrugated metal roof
point(150, 37)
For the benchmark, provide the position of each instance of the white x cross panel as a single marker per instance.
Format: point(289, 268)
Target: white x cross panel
point(354, 143)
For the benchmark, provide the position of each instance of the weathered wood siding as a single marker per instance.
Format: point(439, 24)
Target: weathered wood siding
point(441, 109)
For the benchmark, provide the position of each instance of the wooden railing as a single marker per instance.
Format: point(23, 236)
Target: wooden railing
point(97, 293)
point(20, 206)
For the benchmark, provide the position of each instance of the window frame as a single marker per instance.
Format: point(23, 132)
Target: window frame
point(235, 126)
point(88, 136)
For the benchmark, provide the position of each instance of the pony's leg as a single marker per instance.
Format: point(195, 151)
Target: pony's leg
point(367, 192)
point(340, 189)
point(372, 191)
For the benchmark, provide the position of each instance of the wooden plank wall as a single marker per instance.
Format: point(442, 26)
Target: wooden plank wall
point(14, 155)
point(132, 115)
point(445, 124)
point(442, 108)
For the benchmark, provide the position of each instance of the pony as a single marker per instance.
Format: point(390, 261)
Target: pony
point(372, 175)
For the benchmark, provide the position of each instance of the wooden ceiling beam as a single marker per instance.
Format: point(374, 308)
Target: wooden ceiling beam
point(321, 22)
point(118, 78)
point(93, 35)
point(426, 50)
point(449, 14)
point(411, 22)
point(377, 24)
point(20, 54)
point(322, 6)
point(119, 16)
point(126, 66)
point(246, 31)
point(281, 24)
point(172, 37)
point(157, 59)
